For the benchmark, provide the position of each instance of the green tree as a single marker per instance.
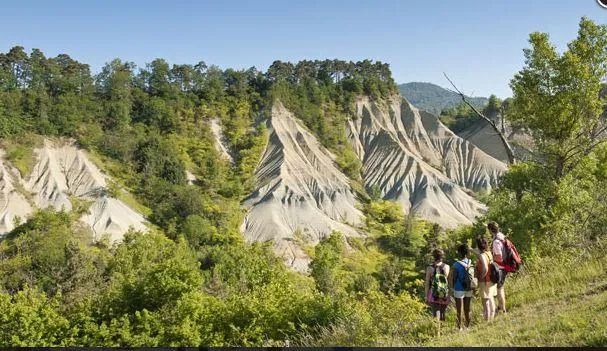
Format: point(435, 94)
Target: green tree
point(29, 318)
point(326, 264)
point(557, 97)
point(115, 84)
point(149, 271)
point(493, 107)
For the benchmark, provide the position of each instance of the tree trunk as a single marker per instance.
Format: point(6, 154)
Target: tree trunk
point(509, 151)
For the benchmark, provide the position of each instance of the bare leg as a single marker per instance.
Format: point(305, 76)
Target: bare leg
point(486, 308)
point(501, 299)
point(437, 316)
point(467, 311)
point(458, 307)
point(491, 308)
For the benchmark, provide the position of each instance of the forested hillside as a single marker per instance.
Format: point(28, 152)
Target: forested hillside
point(433, 98)
point(192, 280)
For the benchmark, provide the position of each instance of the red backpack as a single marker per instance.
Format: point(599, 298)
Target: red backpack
point(512, 259)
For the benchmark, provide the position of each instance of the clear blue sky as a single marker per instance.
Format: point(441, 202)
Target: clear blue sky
point(478, 43)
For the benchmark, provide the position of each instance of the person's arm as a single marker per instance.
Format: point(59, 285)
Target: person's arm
point(451, 281)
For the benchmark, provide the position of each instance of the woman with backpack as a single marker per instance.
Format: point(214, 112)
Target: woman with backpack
point(462, 284)
point(487, 289)
point(437, 286)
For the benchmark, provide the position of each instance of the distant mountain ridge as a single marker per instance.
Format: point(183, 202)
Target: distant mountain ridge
point(433, 98)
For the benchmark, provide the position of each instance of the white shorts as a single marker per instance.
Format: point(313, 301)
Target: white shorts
point(462, 294)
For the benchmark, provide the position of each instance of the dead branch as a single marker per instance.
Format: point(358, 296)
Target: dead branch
point(511, 158)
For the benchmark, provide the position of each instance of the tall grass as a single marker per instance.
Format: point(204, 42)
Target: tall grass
point(552, 302)
point(20, 152)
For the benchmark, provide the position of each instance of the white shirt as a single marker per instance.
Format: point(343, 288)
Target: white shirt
point(498, 245)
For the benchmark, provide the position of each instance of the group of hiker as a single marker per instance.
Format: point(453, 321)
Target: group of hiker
point(443, 284)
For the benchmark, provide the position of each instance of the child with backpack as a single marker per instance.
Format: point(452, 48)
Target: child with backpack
point(485, 271)
point(463, 283)
point(437, 286)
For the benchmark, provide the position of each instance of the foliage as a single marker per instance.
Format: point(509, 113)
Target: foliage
point(193, 281)
point(433, 98)
point(558, 97)
point(556, 307)
point(46, 252)
point(327, 262)
point(459, 118)
point(29, 318)
point(554, 199)
point(321, 94)
point(21, 152)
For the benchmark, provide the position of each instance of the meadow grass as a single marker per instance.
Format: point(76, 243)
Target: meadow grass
point(20, 152)
point(550, 304)
point(123, 179)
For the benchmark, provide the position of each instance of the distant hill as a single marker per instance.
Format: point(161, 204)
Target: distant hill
point(433, 98)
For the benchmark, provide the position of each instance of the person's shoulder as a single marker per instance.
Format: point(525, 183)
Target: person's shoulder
point(500, 236)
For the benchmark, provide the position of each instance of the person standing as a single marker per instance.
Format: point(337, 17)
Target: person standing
point(436, 285)
point(498, 251)
point(462, 293)
point(487, 289)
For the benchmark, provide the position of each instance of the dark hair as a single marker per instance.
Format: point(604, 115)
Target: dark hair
point(438, 254)
point(481, 243)
point(493, 227)
point(462, 250)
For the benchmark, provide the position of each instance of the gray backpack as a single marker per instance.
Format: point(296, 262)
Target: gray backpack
point(470, 281)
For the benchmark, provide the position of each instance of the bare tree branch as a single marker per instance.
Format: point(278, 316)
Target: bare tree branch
point(511, 158)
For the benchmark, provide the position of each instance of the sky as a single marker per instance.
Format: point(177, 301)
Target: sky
point(477, 43)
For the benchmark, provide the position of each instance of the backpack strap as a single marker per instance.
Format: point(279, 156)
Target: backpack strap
point(436, 267)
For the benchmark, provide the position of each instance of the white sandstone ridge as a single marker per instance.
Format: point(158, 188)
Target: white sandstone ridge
point(12, 204)
point(301, 194)
point(221, 144)
point(113, 217)
point(63, 171)
point(412, 158)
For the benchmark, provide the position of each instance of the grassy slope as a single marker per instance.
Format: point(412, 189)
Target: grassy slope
point(562, 306)
point(20, 151)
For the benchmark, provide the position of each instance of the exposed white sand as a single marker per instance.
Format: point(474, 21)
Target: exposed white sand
point(300, 190)
point(114, 217)
point(483, 136)
point(12, 203)
point(407, 154)
point(62, 170)
point(415, 160)
point(190, 177)
point(220, 143)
